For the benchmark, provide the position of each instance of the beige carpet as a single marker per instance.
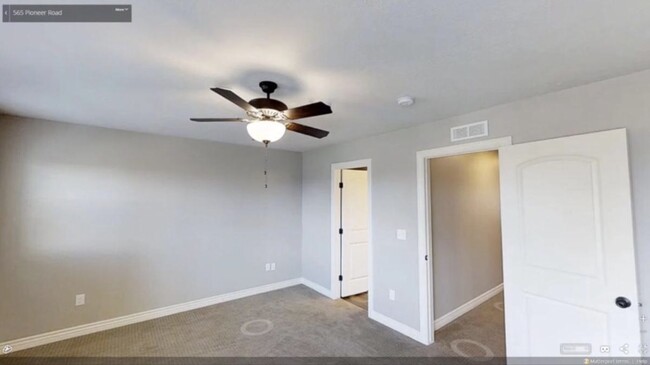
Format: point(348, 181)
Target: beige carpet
point(290, 322)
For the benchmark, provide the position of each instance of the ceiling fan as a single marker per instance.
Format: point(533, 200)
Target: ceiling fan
point(270, 118)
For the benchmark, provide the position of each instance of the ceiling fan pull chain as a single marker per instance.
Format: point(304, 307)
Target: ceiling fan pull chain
point(266, 164)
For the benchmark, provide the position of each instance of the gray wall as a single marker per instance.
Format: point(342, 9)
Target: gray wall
point(619, 102)
point(466, 228)
point(135, 222)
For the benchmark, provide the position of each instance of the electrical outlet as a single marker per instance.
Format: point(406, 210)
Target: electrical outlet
point(391, 294)
point(80, 299)
point(273, 266)
point(268, 267)
point(401, 234)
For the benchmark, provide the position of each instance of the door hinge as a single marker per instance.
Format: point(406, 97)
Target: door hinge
point(340, 185)
point(426, 257)
point(340, 230)
point(340, 277)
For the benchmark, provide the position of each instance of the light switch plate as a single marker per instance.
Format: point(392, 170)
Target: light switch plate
point(391, 294)
point(273, 266)
point(80, 299)
point(267, 267)
point(401, 234)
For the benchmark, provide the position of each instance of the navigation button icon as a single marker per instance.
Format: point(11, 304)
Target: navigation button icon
point(625, 349)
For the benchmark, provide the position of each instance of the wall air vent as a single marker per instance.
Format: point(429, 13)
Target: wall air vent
point(469, 131)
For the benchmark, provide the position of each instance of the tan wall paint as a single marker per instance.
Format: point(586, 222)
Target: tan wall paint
point(466, 228)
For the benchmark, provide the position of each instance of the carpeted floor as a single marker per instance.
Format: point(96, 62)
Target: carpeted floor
point(360, 300)
point(294, 321)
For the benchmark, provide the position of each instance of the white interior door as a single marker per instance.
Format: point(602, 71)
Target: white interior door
point(568, 247)
point(354, 241)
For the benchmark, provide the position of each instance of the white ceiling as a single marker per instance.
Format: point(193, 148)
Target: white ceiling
point(452, 56)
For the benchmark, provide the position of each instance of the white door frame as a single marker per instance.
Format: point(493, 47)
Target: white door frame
point(335, 286)
point(425, 248)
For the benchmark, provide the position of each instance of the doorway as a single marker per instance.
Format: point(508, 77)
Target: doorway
point(351, 233)
point(466, 256)
point(567, 240)
point(463, 299)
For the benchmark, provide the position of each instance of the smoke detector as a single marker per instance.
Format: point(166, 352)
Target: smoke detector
point(405, 100)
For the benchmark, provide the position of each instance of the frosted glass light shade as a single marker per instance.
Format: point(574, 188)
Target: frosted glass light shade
point(266, 130)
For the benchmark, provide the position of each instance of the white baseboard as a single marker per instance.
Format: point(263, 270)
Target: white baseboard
point(85, 329)
point(320, 289)
point(386, 321)
point(451, 316)
point(397, 326)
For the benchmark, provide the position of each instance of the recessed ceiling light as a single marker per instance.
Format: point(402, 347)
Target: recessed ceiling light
point(405, 100)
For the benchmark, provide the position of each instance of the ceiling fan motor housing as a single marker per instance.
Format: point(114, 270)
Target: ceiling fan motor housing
point(267, 103)
point(267, 108)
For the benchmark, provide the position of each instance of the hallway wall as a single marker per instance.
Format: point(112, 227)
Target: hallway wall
point(465, 228)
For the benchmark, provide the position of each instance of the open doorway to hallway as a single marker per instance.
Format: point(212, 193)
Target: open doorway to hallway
point(351, 232)
point(461, 274)
point(465, 229)
point(556, 197)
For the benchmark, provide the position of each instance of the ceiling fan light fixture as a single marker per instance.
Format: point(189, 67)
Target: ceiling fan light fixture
point(266, 131)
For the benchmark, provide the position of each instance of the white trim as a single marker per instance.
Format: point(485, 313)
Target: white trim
point(425, 272)
point(335, 284)
point(316, 287)
point(397, 326)
point(464, 308)
point(85, 329)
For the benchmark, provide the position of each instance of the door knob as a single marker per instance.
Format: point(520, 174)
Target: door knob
point(623, 302)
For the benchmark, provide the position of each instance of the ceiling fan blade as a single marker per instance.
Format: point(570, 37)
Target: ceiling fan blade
point(234, 98)
point(217, 119)
point(303, 129)
point(309, 110)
